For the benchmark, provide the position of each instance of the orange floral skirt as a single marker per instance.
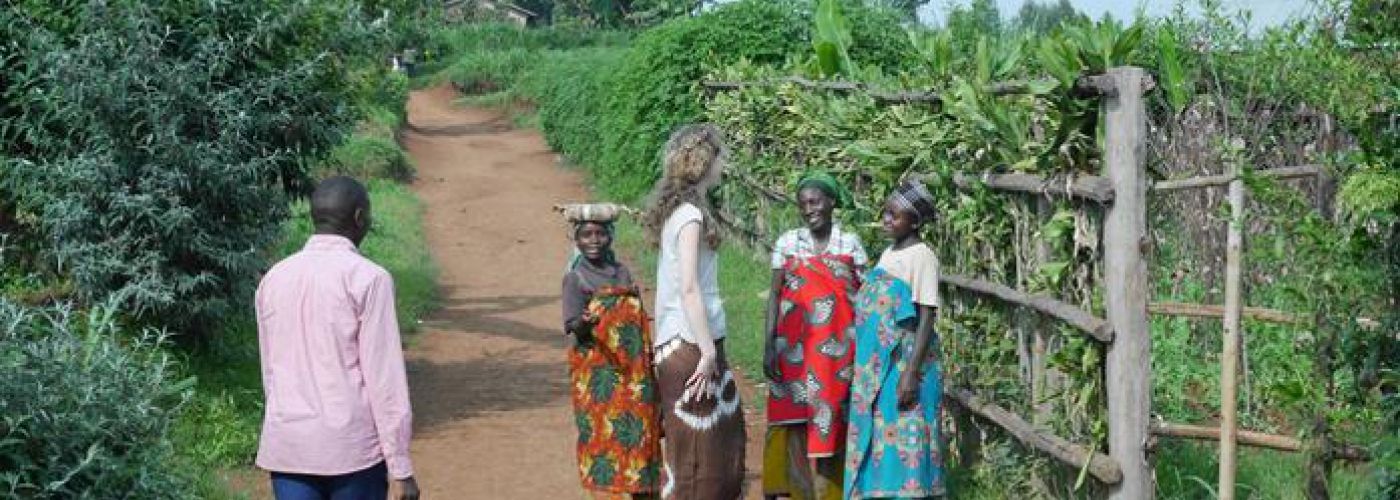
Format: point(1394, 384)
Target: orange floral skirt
point(615, 399)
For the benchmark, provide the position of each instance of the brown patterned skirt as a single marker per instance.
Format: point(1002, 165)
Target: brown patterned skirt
point(704, 441)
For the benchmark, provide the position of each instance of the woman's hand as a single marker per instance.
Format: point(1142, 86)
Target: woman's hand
point(581, 328)
point(700, 382)
point(770, 359)
point(908, 391)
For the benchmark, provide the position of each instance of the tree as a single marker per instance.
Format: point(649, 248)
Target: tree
point(625, 13)
point(981, 17)
point(909, 8)
point(1038, 18)
point(1374, 22)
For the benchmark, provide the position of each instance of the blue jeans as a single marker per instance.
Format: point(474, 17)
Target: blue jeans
point(367, 484)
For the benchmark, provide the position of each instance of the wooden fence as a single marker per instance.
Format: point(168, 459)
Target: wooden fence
point(1122, 192)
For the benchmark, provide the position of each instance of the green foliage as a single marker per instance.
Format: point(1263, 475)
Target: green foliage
point(907, 8)
point(621, 13)
point(1044, 18)
point(1188, 470)
point(373, 151)
point(653, 89)
point(1175, 84)
point(831, 39)
point(777, 131)
point(370, 157)
point(150, 146)
point(491, 62)
point(450, 43)
point(1374, 22)
point(611, 110)
point(571, 90)
point(978, 18)
point(86, 412)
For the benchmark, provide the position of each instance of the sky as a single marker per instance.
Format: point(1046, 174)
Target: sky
point(1264, 12)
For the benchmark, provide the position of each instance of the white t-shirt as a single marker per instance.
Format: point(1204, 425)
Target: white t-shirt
point(917, 265)
point(670, 317)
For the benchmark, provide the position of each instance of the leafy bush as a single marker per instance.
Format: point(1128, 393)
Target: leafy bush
point(370, 158)
point(447, 45)
point(489, 71)
point(85, 416)
point(654, 89)
point(149, 146)
point(571, 94)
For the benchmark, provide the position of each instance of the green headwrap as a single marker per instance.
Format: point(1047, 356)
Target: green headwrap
point(824, 181)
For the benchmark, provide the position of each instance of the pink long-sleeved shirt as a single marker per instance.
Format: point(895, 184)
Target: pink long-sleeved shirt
point(332, 366)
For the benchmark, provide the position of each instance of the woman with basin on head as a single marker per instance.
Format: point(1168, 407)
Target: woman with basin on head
point(613, 389)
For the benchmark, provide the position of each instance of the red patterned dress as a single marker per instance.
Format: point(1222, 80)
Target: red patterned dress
point(614, 397)
point(814, 346)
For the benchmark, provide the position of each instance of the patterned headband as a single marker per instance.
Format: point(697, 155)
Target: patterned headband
point(912, 196)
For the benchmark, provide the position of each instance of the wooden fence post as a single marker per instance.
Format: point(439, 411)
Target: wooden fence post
point(1230, 355)
point(1129, 368)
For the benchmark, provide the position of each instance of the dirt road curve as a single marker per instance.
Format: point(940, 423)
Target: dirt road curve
point(487, 373)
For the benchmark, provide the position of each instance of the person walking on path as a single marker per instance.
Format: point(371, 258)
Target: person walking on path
point(701, 417)
point(807, 355)
point(612, 386)
point(337, 421)
point(893, 444)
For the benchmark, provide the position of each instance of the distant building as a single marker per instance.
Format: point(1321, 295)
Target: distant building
point(461, 9)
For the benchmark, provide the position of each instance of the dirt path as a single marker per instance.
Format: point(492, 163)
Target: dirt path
point(487, 373)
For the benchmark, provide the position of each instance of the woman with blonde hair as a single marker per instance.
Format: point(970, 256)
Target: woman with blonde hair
point(700, 413)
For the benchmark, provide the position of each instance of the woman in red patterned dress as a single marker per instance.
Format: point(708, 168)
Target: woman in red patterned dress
point(808, 355)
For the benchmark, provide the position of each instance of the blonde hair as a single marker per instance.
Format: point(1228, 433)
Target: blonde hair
point(691, 154)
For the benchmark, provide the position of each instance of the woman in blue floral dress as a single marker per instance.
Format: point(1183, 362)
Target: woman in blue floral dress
point(893, 443)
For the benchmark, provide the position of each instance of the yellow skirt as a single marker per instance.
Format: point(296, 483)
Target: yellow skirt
point(787, 472)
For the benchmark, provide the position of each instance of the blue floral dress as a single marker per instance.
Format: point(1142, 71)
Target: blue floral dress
point(889, 453)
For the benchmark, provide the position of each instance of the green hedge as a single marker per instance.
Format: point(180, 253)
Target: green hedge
point(85, 416)
point(655, 88)
point(571, 92)
point(151, 147)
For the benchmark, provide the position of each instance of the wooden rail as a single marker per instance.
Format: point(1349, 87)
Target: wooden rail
point(1214, 311)
point(766, 192)
point(1340, 451)
point(729, 222)
point(1254, 313)
point(1088, 323)
point(1102, 467)
point(1088, 187)
point(1224, 179)
point(885, 97)
point(1251, 438)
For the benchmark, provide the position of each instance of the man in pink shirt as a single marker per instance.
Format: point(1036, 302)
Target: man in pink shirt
point(337, 421)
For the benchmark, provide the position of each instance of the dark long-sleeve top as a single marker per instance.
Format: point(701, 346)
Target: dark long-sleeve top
point(580, 284)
